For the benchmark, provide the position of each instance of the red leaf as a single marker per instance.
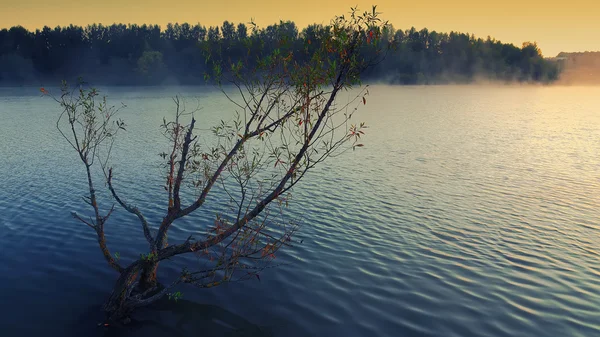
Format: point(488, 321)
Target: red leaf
point(364, 101)
point(258, 277)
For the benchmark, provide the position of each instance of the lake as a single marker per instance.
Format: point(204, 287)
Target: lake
point(471, 211)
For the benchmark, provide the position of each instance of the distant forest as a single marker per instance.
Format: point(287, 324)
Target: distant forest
point(148, 55)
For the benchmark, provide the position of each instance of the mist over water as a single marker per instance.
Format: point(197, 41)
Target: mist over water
point(471, 211)
point(580, 68)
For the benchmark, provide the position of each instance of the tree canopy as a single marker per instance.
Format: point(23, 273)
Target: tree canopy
point(133, 54)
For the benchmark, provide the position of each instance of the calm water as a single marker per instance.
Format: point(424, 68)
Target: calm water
point(471, 211)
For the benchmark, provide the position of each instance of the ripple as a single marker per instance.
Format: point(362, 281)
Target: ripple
point(472, 213)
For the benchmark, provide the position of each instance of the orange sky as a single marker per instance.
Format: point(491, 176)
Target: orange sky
point(557, 25)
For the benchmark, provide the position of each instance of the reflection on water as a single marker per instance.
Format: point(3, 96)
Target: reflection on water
point(183, 318)
point(471, 211)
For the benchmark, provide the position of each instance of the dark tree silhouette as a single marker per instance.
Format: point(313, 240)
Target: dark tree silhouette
point(111, 54)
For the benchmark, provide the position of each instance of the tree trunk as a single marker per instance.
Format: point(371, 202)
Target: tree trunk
point(148, 277)
point(117, 306)
point(126, 295)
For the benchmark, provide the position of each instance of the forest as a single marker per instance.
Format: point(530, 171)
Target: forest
point(133, 54)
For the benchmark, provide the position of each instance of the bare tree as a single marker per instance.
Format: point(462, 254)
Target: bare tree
point(286, 122)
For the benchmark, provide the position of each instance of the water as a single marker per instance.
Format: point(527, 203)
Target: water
point(471, 211)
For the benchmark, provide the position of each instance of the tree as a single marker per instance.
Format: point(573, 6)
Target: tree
point(228, 31)
point(150, 64)
point(242, 31)
point(287, 121)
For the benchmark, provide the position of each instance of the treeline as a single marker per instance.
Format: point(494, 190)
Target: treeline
point(146, 54)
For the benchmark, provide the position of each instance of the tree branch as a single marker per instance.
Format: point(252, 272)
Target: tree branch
point(131, 209)
point(135, 303)
point(176, 208)
point(184, 156)
point(191, 247)
point(102, 242)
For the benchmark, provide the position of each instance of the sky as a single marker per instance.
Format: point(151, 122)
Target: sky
point(556, 25)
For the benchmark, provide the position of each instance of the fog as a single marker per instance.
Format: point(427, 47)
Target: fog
point(579, 68)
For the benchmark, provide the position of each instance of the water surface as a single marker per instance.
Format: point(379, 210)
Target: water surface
point(471, 211)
